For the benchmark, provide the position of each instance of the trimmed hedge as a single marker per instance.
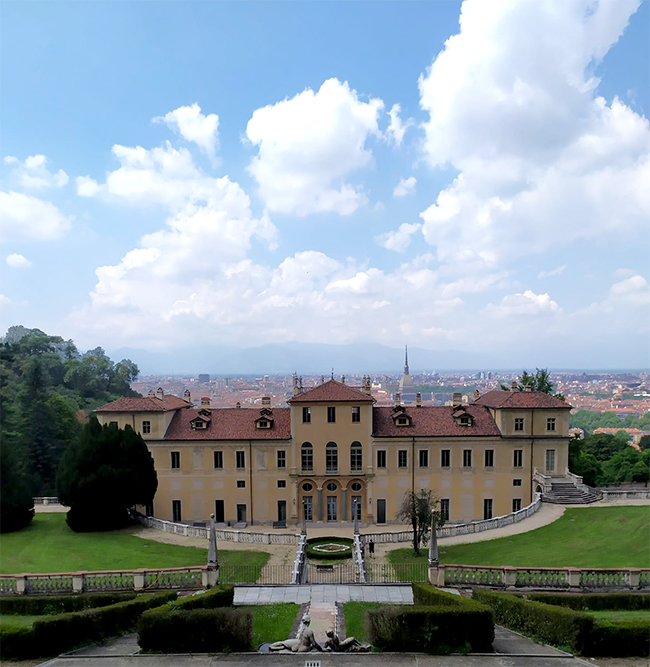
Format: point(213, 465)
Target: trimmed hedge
point(52, 635)
point(547, 623)
point(594, 601)
point(423, 594)
point(620, 638)
point(440, 630)
point(26, 605)
point(174, 630)
point(323, 555)
point(221, 596)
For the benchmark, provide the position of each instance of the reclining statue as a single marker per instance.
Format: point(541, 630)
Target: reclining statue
point(350, 644)
point(303, 643)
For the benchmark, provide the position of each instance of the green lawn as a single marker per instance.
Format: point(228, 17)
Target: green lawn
point(354, 613)
point(592, 537)
point(48, 545)
point(11, 622)
point(622, 615)
point(272, 622)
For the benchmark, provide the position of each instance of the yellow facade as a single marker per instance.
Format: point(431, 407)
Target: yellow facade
point(328, 457)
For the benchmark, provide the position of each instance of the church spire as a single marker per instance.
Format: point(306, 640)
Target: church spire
point(406, 360)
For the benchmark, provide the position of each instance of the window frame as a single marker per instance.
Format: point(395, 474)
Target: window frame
point(516, 504)
point(306, 415)
point(517, 482)
point(356, 457)
point(331, 414)
point(445, 454)
point(281, 458)
point(240, 459)
point(146, 427)
point(444, 508)
point(488, 509)
point(282, 484)
point(241, 483)
point(331, 458)
point(488, 458)
point(218, 459)
point(381, 458)
point(467, 458)
point(517, 458)
point(175, 460)
point(402, 458)
point(307, 456)
point(551, 423)
point(356, 414)
point(423, 458)
point(519, 424)
point(177, 513)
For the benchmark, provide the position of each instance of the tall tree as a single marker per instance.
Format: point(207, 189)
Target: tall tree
point(417, 508)
point(540, 380)
point(107, 471)
point(16, 498)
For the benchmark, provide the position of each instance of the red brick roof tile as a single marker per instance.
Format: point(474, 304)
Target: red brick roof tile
point(330, 392)
point(231, 424)
point(434, 422)
point(145, 404)
point(521, 399)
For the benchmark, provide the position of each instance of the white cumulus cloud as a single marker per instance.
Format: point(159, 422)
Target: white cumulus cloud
point(406, 186)
point(194, 126)
point(16, 261)
point(307, 146)
point(33, 174)
point(24, 217)
point(525, 304)
point(399, 240)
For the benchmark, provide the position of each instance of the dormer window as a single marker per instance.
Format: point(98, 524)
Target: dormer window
point(465, 420)
point(200, 423)
point(263, 423)
point(204, 413)
point(403, 420)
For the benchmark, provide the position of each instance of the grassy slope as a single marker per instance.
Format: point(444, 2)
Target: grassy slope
point(355, 613)
point(48, 545)
point(621, 615)
point(272, 622)
point(592, 537)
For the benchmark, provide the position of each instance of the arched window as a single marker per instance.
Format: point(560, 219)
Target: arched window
point(307, 457)
point(331, 457)
point(356, 459)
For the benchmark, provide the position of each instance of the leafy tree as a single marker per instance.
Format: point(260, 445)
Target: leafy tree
point(603, 446)
point(644, 442)
point(540, 380)
point(417, 508)
point(16, 498)
point(103, 474)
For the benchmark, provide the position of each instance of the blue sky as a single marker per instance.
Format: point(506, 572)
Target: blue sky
point(456, 176)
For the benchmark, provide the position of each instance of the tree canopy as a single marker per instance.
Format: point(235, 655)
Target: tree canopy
point(540, 380)
point(417, 509)
point(103, 474)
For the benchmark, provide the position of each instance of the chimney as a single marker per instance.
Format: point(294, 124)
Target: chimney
point(513, 386)
point(477, 395)
point(367, 385)
point(322, 379)
point(160, 393)
point(205, 402)
point(457, 398)
point(418, 400)
point(266, 401)
point(151, 394)
point(398, 399)
point(187, 396)
point(527, 387)
point(238, 405)
point(295, 384)
point(342, 379)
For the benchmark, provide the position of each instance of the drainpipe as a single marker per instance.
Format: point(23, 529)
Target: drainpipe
point(413, 464)
point(250, 475)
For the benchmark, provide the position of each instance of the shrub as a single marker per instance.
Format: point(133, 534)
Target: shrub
point(58, 604)
point(620, 638)
point(424, 594)
point(439, 629)
point(54, 634)
point(173, 630)
point(594, 601)
point(222, 596)
point(324, 555)
point(550, 624)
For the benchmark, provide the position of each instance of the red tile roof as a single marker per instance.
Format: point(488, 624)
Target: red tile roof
point(231, 424)
point(330, 392)
point(146, 404)
point(434, 422)
point(521, 399)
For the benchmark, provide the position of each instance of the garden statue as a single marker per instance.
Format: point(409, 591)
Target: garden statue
point(303, 643)
point(350, 644)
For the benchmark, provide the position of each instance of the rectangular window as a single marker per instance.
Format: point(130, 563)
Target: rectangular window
point(331, 415)
point(424, 458)
point(218, 459)
point(487, 508)
point(146, 427)
point(516, 504)
point(403, 458)
point(307, 459)
point(356, 459)
point(282, 458)
point(518, 458)
point(176, 460)
point(241, 513)
point(241, 483)
point(444, 508)
point(381, 458)
point(219, 511)
point(467, 458)
point(550, 424)
point(282, 511)
point(331, 459)
point(489, 458)
point(356, 414)
point(308, 508)
point(306, 415)
point(113, 424)
point(176, 511)
point(550, 460)
point(519, 423)
point(445, 458)
point(240, 459)
point(282, 484)
point(516, 482)
point(381, 510)
point(331, 508)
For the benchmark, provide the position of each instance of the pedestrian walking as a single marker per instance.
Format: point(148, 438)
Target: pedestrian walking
point(371, 548)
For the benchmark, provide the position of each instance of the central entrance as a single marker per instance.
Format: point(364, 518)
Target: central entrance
point(332, 500)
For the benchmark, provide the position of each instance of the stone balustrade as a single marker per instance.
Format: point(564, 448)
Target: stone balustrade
point(547, 578)
point(140, 580)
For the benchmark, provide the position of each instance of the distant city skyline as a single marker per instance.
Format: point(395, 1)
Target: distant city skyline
point(314, 184)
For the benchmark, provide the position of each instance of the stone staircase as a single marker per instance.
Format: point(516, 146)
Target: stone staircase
point(566, 493)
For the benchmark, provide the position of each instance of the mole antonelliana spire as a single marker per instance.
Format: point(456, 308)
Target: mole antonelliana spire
point(406, 387)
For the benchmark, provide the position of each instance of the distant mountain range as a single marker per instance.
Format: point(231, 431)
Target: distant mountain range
point(303, 358)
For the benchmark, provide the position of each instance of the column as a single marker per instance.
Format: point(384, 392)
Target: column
point(344, 504)
point(320, 504)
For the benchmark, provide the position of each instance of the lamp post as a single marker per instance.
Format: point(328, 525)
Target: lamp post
point(433, 542)
point(304, 517)
point(213, 556)
point(355, 510)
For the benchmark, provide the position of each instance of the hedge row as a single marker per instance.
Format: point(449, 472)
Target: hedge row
point(439, 623)
point(566, 627)
point(26, 605)
point(594, 601)
point(52, 635)
point(550, 624)
point(177, 630)
point(221, 596)
point(324, 555)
